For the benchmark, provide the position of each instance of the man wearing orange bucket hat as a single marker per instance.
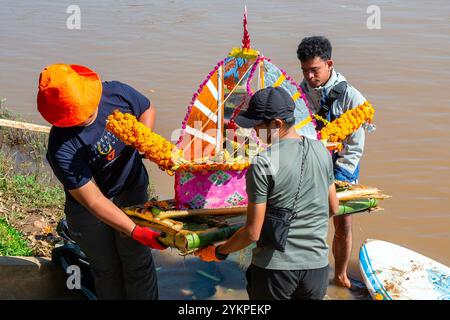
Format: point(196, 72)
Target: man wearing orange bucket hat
point(100, 174)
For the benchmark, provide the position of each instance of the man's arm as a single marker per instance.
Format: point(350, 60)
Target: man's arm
point(257, 184)
point(346, 164)
point(249, 233)
point(347, 161)
point(149, 116)
point(333, 200)
point(90, 196)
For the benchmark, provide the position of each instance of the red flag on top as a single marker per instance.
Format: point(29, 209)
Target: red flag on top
point(246, 38)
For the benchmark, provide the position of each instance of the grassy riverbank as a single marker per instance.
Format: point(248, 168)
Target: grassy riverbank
point(30, 207)
point(12, 242)
point(31, 200)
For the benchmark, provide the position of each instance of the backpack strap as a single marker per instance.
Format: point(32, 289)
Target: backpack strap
point(333, 95)
point(303, 157)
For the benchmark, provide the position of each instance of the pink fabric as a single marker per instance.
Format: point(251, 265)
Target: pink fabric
point(213, 189)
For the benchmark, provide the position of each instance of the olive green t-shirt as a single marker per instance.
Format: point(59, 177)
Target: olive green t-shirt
point(274, 178)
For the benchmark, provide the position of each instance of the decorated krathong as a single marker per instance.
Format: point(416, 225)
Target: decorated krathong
point(212, 154)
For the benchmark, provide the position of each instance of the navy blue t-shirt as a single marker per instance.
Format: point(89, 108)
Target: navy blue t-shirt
point(79, 154)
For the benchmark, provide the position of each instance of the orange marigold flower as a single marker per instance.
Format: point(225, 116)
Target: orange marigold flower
point(347, 123)
point(134, 133)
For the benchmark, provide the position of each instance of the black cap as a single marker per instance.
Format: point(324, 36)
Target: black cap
point(267, 104)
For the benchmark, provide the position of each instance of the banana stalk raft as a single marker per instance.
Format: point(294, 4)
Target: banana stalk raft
point(188, 230)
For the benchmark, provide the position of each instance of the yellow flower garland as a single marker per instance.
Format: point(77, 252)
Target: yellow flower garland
point(237, 166)
point(165, 154)
point(132, 132)
point(159, 150)
point(347, 123)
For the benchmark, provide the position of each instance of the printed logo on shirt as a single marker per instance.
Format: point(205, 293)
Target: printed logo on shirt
point(105, 147)
point(107, 152)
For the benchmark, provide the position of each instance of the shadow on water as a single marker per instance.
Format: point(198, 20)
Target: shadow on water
point(189, 278)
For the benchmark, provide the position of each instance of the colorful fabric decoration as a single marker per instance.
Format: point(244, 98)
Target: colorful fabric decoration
point(210, 189)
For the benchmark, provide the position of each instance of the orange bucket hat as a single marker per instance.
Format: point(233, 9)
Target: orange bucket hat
point(68, 94)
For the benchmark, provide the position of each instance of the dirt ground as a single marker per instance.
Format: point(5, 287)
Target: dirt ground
point(38, 226)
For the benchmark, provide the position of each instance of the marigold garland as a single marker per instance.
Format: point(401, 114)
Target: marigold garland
point(237, 166)
point(132, 132)
point(169, 158)
point(159, 150)
point(347, 123)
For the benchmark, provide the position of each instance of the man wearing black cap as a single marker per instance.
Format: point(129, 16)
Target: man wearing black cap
point(291, 193)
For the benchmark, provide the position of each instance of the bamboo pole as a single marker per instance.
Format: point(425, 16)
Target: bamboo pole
point(220, 111)
point(200, 239)
point(24, 125)
point(188, 240)
point(146, 215)
point(377, 196)
point(199, 212)
point(180, 235)
point(357, 193)
point(155, 214)
point(355, 206)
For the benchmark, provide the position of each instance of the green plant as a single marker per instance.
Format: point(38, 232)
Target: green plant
point(28, 190)
point(12, 242)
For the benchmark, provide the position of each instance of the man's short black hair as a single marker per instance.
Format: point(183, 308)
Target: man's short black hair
point(289, 122)
point(312, 47)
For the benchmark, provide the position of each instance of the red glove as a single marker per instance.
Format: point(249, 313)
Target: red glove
point(147, 237)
